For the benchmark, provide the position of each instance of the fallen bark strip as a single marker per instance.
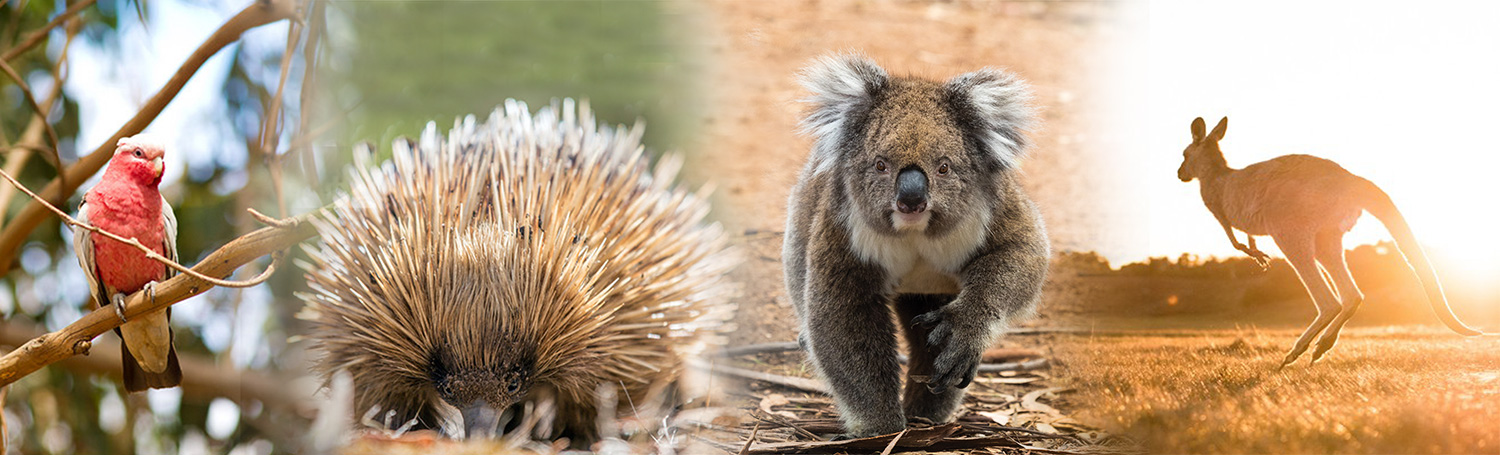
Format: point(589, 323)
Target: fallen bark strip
point(911, 439)
point(804, 384)
point(201, 378)
point(990, 355)
point(831, 425)
point(816, 386)
point(77, 338)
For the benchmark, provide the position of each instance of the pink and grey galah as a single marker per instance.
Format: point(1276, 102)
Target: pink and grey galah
point(127, 202)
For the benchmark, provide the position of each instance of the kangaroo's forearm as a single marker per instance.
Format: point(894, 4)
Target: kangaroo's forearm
point(1229, 231)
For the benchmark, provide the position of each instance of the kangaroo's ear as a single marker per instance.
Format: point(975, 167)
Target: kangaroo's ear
point(1199, 129)
point(993, 106)
point(1218, 133)
point(843, 89)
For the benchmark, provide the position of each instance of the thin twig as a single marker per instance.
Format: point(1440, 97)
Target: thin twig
point(315, 24)
point(56, 159)
point(259, 13)
point(743, 450)
point(36, 35)
point(150, 253)
point(892, 446)
point(270, 126)
point(77, 337)
point(783, 421)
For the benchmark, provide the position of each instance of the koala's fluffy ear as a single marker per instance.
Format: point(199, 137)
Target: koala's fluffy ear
point(995, 106)
point(843, 87)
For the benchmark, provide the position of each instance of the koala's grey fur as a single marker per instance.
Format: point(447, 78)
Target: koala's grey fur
point(956, 272)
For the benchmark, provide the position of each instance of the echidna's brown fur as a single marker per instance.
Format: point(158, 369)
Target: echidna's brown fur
point(529, 252)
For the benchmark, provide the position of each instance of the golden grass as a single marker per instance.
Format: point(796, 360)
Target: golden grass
point(1381, 390)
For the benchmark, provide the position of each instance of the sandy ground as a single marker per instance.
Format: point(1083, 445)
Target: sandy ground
point(753, 152)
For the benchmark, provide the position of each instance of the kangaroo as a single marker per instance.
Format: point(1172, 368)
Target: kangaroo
point(1305, 204)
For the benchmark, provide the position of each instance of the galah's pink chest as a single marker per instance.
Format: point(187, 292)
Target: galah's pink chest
point(128, 212)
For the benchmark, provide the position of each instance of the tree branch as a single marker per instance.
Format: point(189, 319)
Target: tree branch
point(201, 378)
point(150, 253)
point(36, 36)
point(54, 157)
point(260, 13)
point(77, 337)
point(29, 137)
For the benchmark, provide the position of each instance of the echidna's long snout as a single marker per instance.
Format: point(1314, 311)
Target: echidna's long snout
point(480, 419)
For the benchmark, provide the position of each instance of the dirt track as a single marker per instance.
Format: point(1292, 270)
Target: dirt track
point(753, 152)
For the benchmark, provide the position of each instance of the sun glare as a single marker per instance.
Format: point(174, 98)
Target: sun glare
point(1409, 111)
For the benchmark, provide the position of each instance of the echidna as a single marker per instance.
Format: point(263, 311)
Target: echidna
point(527, 256)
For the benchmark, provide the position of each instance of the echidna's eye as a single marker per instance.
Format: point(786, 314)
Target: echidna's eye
point(513, 386)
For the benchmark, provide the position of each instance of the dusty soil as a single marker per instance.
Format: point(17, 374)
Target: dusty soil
point(753, 153)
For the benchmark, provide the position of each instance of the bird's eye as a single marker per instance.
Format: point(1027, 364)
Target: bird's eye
point(943, 169)
point(880, 166)
point(138, 153)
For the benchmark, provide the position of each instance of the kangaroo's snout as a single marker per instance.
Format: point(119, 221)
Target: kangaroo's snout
point(1182, 172)
point(911, 191)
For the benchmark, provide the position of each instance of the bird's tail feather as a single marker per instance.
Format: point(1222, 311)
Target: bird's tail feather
point(138, 379)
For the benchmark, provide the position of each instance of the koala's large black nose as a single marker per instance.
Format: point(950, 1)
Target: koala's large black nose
point(911, 191)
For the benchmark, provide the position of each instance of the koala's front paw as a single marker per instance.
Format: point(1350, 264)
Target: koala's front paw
point(959, 342)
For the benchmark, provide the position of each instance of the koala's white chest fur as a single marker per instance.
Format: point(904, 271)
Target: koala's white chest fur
point(922, 264)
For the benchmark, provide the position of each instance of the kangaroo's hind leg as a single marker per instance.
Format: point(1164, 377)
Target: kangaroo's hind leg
point(1330, 248)
point(1301, 253)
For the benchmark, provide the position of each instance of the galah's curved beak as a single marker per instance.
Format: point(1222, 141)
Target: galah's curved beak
point(159, 166)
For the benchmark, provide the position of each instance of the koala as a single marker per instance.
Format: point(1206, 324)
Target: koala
point(910, 199)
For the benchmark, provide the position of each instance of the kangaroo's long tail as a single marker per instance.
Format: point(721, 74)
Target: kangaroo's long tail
point(1379, 204)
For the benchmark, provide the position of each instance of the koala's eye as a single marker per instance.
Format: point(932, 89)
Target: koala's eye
point(138, 153)
point(943, 169)
point(880, 166)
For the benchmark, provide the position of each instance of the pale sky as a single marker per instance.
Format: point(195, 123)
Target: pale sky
point(1404, 94)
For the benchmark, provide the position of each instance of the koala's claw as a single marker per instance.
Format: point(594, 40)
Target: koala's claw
point(119, 301)
point(957, 364)
point(937, 330)
point(955, 370)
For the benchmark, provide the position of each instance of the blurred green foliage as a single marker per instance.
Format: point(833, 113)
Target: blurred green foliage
point(415, 61)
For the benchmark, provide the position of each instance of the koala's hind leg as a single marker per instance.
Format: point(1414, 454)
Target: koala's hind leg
point(918, 400)
point(853, 343)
